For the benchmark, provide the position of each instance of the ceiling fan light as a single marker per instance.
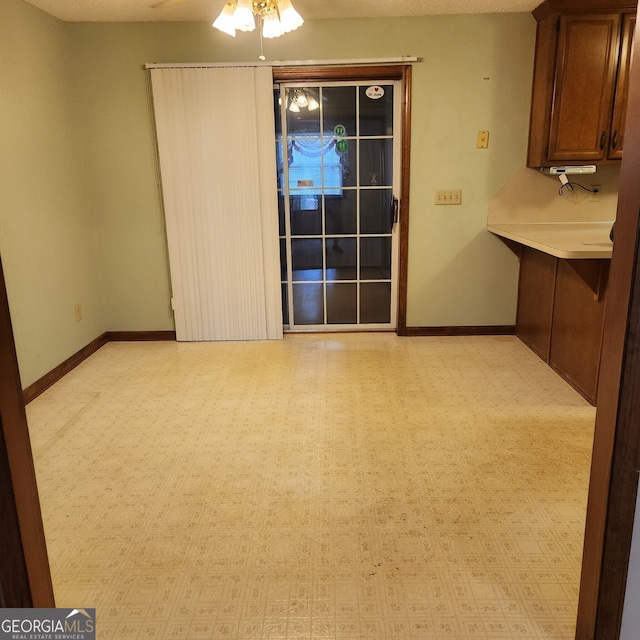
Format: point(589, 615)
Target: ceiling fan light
point(290, 19)
point(271, 27)
point(224, 22)
point(243, 17)
point(313, 104)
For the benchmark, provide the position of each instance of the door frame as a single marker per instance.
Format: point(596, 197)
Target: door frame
point(358, 189)
point(616, 449)
point(25, 577)
point(400, 72)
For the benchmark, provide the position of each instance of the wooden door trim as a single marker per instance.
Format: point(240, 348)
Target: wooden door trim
point(400, 72)
point(29, 541)
point(14, 580)
point(616, 448)
point(403, 274)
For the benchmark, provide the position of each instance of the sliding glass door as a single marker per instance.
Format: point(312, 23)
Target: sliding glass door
point(338, 169)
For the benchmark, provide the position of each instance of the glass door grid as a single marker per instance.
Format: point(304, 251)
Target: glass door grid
point(337, 168)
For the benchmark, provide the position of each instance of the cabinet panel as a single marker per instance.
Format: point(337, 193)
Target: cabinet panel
point(583, 91)
point(576, 333)
point(535, 300)
point(616, 142)
point(580, 81)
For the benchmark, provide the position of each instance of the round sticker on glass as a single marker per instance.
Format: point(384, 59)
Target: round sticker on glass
point(375, 92)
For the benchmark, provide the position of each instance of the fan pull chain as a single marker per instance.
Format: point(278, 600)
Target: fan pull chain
point(261, 56)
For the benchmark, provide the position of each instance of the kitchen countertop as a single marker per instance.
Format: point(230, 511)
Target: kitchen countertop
point(569, 240)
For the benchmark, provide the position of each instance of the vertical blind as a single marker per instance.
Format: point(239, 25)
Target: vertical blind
point(215, 130)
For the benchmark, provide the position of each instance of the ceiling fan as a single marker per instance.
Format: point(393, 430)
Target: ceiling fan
point(275, 17)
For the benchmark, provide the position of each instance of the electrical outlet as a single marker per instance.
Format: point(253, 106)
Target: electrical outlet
point(595, 197)
point(78, 312)
point(449, 196)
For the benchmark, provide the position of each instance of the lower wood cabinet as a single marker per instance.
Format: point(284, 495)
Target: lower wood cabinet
point(535, 299)
point(561, 313)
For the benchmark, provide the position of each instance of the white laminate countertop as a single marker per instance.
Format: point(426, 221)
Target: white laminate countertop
point(569, 240)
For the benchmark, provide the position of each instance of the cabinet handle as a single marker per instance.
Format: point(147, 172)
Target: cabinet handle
point(614, 140)
point(603, 138)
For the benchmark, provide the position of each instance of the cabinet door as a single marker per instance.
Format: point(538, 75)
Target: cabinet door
point(535, 300)
point(583, 92)
point(622, 88)
point(576, 333)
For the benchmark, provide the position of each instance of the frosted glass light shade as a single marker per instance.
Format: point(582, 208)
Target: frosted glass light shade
point(271, 27)
point(290, 19)
point(277, 17)
point(243, 17)
point(224, 22)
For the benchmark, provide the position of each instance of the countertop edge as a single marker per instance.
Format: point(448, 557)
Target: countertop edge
point(554, 250)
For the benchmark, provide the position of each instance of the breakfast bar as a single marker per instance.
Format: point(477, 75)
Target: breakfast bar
point(562, 286)
point(568, 240)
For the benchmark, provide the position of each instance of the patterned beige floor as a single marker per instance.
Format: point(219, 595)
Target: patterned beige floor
point(326, 486)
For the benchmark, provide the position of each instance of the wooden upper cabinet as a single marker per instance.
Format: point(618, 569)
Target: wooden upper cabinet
point(616, 142)
point(580, 83)
point(587, 60)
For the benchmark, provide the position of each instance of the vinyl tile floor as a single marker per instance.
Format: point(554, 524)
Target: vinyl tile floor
point(352, 486)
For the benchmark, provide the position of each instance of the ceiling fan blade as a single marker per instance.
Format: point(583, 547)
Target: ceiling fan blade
point(165, 3)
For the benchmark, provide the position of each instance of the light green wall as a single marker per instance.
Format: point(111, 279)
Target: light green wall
point(47, 232)
point(474, 74)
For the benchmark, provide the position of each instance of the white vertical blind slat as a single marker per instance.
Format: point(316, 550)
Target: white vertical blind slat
point(270, 229)
point(217, 159)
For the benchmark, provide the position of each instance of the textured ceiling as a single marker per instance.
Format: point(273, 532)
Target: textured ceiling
point(196, 10)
